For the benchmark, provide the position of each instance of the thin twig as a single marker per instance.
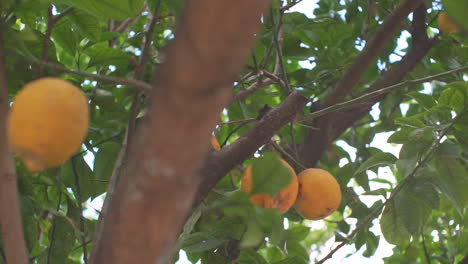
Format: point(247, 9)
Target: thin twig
point(52, 234)
point(426, 252)
point(80, 207)
point(278, 42)
point(238, 121)
point(134, 83)
point(250, 90)
point(290, 5)
point(51, 22)
point(140, 70)
point(364, 98)
point(284, 152)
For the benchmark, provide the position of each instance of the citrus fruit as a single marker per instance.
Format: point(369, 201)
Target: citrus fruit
point(215, 143)
point(446, 24)
point(319, 194)
point(282, 201)
point(47, 122)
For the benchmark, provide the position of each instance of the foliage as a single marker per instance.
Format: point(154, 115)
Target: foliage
point(421, 207)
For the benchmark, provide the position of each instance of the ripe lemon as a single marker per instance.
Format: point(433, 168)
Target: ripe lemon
point(446, 24)
point(319, 194)
point(283, 200)
point(215, 143)
point(47, 122)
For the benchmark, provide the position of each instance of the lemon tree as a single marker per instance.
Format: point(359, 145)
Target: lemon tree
point(365, 101)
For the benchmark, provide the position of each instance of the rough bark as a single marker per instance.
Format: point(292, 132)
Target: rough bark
point(158, 184)
point(10, 216)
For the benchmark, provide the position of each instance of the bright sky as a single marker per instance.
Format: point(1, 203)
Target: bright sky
point(380, 141)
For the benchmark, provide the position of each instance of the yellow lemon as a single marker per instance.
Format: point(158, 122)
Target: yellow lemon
point(48, 122)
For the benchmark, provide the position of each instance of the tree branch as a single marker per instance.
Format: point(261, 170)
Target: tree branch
point(219, 163)
point(10, 215)
point(370, 51)
point(51, 21)
point(331, 126)
point(134, 83)
point(158, 183)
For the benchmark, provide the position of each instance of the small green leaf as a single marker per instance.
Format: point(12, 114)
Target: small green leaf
point(253, 236)
point(455, 96)
point(411, 209)
point(380, 192)
point(107, 9)
point(87, 24)
point(425, 100)
point(372, 244)
point(269, 175)
point(274, 253)
point(199, 241)
point(379, 159)
point(452, 181)
point(76, 171)
point(297, 233)
point(400, 136)
point(63, 237)
point(102, 55)
point(298, 250)
point(290, 260)
point(104, 164)
point(250, 257)
point(409, 122)
point(393, 227)
point(405, 166)
point(422, 134)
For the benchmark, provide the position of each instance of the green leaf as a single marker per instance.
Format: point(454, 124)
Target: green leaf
point(87, 24)
point(400, 137)
point(411, 209)
point(102, 55)
point(405, 166)
point(28, 212)
point(62, 238)
point(76, 170)
point(377, 160)
point(274, 253)
point(422, 134)
point(297, 233)
point(290, 260)
point(269, 175)
point(250, 257)
point(298, 250)
point(452, 180)
point(425, 100)
point(107, 9)
point(411, 122)
point(254, 235)
point(458, 10)
point(393, 227)
point(104, 164)
point(380, 192)
point(200, 241)
point(372, 244)
point(65, 37)
point(212, 258)
point(455, 96)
